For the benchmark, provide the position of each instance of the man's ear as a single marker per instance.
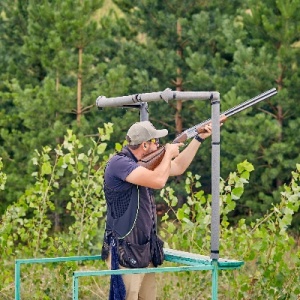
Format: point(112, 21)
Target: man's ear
point(145, 146)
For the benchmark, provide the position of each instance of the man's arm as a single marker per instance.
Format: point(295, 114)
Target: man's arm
point(173, 164)
point(184, 159)
point(157, 178)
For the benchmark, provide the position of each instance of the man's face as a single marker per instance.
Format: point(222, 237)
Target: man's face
point(154, 144)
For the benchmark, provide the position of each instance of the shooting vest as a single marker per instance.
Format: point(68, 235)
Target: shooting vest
point(130, 216)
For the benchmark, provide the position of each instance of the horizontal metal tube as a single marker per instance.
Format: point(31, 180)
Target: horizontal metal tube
point(165, 95)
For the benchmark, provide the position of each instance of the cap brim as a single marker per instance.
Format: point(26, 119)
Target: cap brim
point(160, 133)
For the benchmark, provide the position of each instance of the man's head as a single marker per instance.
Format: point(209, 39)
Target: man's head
point(142, 132)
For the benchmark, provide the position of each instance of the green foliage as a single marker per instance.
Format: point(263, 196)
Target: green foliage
point(270, 253)
point(3, 176)
point(266, 50)
point(39, 79)
point(239, 48)
point(26, 227)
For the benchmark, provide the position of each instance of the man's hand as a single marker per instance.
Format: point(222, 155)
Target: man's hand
point(206, 130)
point(173, 149)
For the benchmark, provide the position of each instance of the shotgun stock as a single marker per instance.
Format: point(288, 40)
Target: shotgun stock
point(152, 160)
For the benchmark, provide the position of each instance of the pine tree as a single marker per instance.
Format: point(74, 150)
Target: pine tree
point(266, 56)
point(239, 49)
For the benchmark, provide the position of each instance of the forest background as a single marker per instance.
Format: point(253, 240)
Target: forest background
point(57, 57)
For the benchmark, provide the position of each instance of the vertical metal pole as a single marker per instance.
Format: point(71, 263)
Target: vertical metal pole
point(17, 280)
point(214, 295)
point(75, 287)
point(215, 182)
point(144, 113)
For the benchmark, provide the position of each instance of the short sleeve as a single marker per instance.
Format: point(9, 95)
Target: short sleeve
point(117, 169)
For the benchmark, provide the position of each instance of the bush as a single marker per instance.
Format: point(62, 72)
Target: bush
point(271, 254)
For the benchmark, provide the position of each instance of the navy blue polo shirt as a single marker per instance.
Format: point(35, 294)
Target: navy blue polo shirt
point(117, 169)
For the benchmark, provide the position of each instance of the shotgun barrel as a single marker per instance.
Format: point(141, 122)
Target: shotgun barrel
point(191, 132)
point(152, 160)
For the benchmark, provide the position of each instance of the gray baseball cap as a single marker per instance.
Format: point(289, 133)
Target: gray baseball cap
point(144, 131)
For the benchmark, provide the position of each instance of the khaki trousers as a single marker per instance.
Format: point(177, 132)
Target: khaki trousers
point(138, 286)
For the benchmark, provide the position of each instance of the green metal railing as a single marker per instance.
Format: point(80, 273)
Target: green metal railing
point(188, 262)
point(20, 262)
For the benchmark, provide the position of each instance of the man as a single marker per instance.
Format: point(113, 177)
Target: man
point(130, 236)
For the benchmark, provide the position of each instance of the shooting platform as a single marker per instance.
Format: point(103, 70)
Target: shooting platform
point(185, 261)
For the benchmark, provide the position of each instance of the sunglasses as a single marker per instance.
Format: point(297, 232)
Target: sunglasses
point(154, 141)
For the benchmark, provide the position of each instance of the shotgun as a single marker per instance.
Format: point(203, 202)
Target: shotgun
point(152, 160)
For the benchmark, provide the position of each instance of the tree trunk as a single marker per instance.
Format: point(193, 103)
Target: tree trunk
point(280, 115)
point(79, 84)
point(178, 83)
point(56, 215)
